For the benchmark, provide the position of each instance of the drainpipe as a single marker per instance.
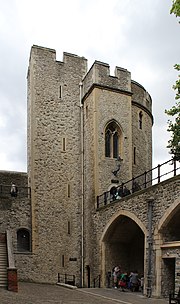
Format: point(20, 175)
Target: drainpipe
point(150, 246)
point(82, 184)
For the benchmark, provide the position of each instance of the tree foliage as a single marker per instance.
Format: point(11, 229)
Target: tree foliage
point(175, 8)
point(174, 112)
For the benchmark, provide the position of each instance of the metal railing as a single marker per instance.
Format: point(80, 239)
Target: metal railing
point(5, 192)
point(174, 297)
point(65, 278)
point(156, 175)
point(97, 281)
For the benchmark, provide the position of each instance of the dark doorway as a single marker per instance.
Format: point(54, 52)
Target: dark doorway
point(168, 278)
point(124, 243)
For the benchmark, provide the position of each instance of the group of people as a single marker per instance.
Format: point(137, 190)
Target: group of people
point(117, 193)
point(124, 280)
point(121, 191)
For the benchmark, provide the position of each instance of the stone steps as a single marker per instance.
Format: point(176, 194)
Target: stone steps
point(3, 265)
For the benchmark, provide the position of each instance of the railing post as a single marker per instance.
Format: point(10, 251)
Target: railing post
point(98, 202)
point(174, 167)
point(145, 179)
point(122, 188)
point(88, 276)
point(133, 185)
point(29, 190)
point(105, 198)
point(99, 281)
point(159, 173)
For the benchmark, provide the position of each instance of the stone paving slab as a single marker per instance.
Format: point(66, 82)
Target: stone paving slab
point(31, 293)
point(126, 297)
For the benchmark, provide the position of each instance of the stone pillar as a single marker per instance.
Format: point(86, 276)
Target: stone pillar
point(177, 271)
point(12, 280)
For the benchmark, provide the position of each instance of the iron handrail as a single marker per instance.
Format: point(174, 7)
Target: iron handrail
point(142, 181)
point(66, 278)
point(5, 191)
point(98, 281)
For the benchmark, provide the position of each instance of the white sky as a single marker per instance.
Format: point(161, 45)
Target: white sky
point(139, 35)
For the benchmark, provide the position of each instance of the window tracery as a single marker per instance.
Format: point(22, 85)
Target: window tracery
point(112, 140)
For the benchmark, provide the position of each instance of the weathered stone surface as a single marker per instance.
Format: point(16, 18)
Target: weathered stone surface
point(68, 111)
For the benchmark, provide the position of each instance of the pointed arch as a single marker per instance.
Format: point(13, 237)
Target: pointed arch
point(158, 239)
point(168, 215)
point(113, 139)
point(106, 252)
point(125, 213)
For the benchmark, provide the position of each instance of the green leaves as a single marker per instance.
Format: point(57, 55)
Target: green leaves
point(174, 127)
point(175, 8)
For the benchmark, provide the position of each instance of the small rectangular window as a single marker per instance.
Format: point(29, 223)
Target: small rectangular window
point(68, 190)
point(64, 144)
point(86, 111)
point(60, 91)
point(140, 120)
point(134, 155)
point(69, 227)
point(62, 260)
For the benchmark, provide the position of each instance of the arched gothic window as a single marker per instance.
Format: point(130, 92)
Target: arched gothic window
point(112, 140)
point(23, 240)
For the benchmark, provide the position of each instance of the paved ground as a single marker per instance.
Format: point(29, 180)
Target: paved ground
point(30, 293)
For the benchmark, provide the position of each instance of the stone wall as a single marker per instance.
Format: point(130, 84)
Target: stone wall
point(55, 161)
point(62, 156)
point(164, 195)
point(15, 214)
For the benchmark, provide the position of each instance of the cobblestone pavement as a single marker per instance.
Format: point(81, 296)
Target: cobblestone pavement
point(30, 293)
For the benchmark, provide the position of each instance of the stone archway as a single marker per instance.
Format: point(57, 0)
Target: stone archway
point(167, 246)
point(123, 243)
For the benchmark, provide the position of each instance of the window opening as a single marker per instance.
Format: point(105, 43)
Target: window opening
point(108, 143)
point(69, 227)
point(87, 112)
point(23, 240)
point(134, 155)
point(140, 120)
point(115, 145)
point(62, 260)
point(64, 144)
point(60, 91)
point(68, 190)
point(112, 140)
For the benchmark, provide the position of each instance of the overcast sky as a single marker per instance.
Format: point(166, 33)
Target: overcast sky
point(139, 35)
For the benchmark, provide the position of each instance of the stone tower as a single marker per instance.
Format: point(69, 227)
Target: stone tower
point(82, 127)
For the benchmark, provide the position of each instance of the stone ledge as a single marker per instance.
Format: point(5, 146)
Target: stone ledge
point(171, 244)
point(67, 285)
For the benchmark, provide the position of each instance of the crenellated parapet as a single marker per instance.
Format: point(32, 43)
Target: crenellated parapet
point(99, 75)
point(140, 96)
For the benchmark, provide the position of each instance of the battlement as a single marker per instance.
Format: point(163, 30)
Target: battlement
point(72, 57)
point(99, 74)
point(141, 96)
point(48, 57)
point(43, 51)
